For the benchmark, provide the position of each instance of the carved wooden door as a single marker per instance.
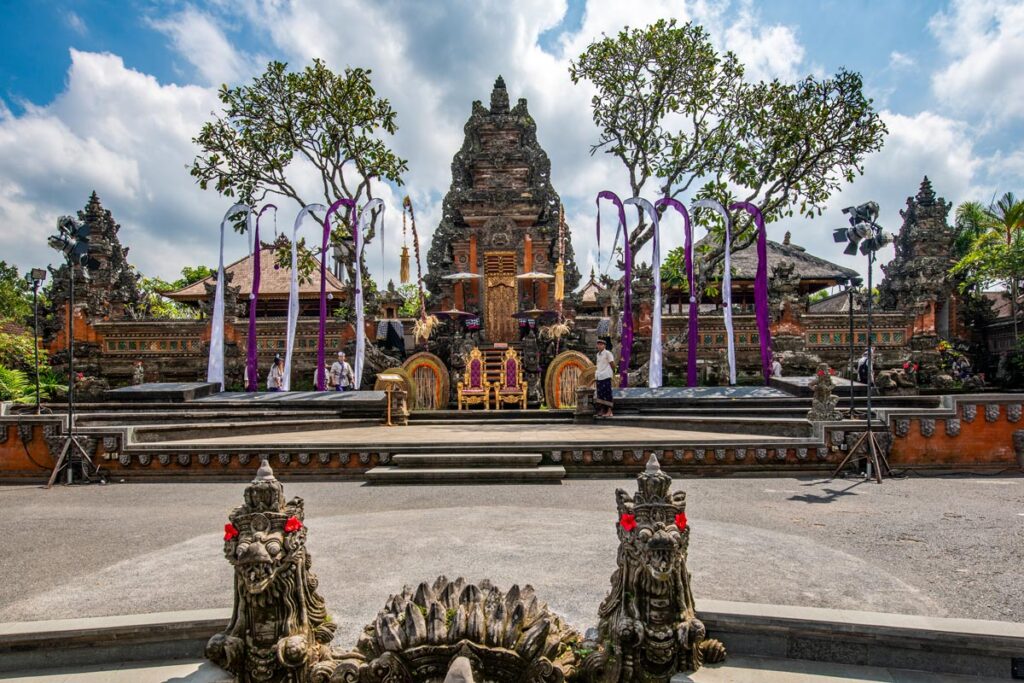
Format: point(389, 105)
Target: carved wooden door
point(501, 301)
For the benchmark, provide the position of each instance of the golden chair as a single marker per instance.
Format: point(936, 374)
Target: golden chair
point(474, 387)
point(510, 387)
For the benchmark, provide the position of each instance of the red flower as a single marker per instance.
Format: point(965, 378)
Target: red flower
point(821, 373)
point(831, 371)
point(230, 531)
point(627, 522)
point(292, 525)
point(681, 520)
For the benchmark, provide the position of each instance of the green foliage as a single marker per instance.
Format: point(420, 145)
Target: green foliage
point(190, 274)
point(15, 386)
point(17, 351)
point(818, 296)
point(332, 122)
point(410, 294)
point(15, 295)
point(677, 113)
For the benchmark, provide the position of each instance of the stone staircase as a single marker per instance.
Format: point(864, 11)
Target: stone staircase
point(466, 468)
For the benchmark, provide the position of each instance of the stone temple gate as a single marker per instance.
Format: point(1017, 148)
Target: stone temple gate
point(500, 220)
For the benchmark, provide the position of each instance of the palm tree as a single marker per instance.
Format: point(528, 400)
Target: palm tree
point(1007, 217)
point(989, 247)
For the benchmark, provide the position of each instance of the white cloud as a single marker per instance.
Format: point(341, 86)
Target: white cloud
point(899, 60)
point(198, 38)
point(983, 39)
point(75, 22)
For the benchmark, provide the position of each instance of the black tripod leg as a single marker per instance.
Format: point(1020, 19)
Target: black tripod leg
point(849, 454)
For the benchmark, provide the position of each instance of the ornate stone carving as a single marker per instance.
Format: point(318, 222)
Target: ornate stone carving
point(822, 453)
point(303, 458)
point(165, 458)
point(902, 426)
point(279, 631)
point(145, 459)
point(203, 458)
point(125, 459)
point(556, 456)
point(678, 454)
point(364, 458)
point(184, 459)
point(617, 456)
point(224, 459)
point(739, 454)
point(970, 411)
point(719, 454)
point(243, 459)
point(698, 454)
point(25, 432)
point(638, 455)
point(781, 453)
point(284, 458)
point(927, 426)
point(110, 444)
point(823, 403)
point(421, 634)
point(991, 412)
point(577, 455)
point(801, 454)
point(1013, 412)
point(323, 457)
point(648, 629)
point(953, 426)
point(761, 454)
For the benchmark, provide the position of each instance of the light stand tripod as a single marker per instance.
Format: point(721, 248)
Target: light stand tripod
point(73, 243)
point(871, 238)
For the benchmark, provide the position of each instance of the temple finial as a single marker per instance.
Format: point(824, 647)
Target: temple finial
point(264, 473)
point(499, 97)
point(653, 465)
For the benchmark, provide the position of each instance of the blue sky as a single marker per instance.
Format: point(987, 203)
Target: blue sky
point(105, 95)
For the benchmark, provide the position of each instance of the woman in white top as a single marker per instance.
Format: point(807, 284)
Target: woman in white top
point(603, 375)
point(275, 380)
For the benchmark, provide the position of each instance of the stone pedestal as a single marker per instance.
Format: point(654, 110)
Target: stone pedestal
point(584, 404)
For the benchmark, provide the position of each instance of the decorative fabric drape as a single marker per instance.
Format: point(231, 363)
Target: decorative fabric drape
point(692, 338)
point(730, 342)
point(357, 235)
point(655, 364)
point(321, 339)
point(293, 294)
point(627, 297)
point(215, 364)
point(761, 312)
point(251, 355)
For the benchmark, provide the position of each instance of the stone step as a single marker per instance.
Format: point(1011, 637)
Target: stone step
point(465, 460)
point(466, 475)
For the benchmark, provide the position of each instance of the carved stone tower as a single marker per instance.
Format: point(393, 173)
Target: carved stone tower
point(917, 279)
point(499, 220)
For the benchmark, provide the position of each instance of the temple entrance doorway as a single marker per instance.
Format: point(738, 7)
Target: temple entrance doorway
point(500, 301)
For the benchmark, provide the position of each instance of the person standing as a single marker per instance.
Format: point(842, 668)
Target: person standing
point(275, 380)
point(776, 367)
point(342, 377)
point(864, 367)
point(603, 375)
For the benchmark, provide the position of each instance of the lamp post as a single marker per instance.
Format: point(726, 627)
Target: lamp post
point(72, 240)
point(35, 277)
point(866, 235)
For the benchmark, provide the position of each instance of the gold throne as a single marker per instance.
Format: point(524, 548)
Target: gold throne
point(474, 387)
point(510, 387)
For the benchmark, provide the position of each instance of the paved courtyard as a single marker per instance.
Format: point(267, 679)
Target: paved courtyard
point(949, 546)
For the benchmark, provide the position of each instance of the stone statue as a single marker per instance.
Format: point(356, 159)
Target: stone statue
point(648, 629)
point(279, 630)
point(138, 373)
point(464, 631)
point(823, 403)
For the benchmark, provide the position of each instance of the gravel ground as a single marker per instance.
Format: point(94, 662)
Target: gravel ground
point(948, 546)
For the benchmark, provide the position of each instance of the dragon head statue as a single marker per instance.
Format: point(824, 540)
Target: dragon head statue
point(279, 629)
point(648, 628)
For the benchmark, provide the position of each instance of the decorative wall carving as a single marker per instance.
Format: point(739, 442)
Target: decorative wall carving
point(927, 427)
point(991, 412)
point(1013, 412)
point(902, 426)
point(953, 426)
point(970, 411)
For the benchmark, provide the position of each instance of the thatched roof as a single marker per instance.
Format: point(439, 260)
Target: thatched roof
point(274, 282)
point(807, 266)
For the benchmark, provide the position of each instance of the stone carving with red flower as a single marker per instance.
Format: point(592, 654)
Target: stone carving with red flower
point(279, 629)
point(648, 629)
point(823, 403)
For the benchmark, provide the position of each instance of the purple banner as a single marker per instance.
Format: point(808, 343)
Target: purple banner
point(251, 358)
point(691, 346)
point(627, 297)
point(321, 342)
point(761, 288)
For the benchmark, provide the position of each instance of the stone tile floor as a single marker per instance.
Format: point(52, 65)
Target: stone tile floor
point(735, 670)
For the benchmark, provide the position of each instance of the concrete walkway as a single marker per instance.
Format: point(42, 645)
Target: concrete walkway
point(735, 670)
point(483, 433)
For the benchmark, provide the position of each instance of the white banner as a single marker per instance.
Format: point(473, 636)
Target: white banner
point(293, 294)
point(215, 364)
